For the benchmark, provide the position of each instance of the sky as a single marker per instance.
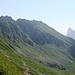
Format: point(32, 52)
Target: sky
point(59, 14)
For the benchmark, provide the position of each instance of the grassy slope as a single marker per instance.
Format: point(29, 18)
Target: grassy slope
point(6, 65)
point(46, 52)
point(38, 69)
point(8, 68)
point(11, 63)
point(46, 29)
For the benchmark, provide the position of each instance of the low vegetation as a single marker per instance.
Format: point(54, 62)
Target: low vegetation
point(31, 47)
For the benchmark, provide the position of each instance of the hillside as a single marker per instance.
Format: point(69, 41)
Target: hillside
point(35, 43)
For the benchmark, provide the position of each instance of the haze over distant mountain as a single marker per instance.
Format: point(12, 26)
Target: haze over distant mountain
point(71, 33)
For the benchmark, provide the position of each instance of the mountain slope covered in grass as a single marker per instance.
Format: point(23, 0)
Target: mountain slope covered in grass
point(35, 48)
point(12, 63)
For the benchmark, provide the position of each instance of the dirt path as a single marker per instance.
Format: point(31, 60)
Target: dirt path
point(26, 72)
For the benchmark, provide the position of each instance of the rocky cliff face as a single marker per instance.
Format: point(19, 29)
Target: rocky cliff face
point(71, 33)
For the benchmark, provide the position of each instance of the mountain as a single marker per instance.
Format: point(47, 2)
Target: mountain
point(71, 33)
point(32, 47)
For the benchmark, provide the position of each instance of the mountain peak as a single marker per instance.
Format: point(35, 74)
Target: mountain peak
point(71, 33)
point(6, 17)
point(69, 28)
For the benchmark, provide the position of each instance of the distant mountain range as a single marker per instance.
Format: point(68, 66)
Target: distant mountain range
point(71, 33)
point(33, 48)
